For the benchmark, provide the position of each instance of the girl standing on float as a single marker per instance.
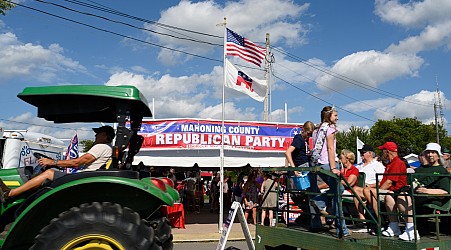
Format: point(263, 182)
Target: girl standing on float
point(328, 160)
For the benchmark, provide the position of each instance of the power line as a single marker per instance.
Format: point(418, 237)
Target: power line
point(130, 25)
point(336, 91)
point(118, 34)
point(112, 11)
point(349, 80)
point(316, 97)
point(115, 12)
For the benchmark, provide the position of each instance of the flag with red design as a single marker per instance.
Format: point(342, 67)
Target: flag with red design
point(237, 79)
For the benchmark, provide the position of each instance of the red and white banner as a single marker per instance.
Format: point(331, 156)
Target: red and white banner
point(192, 134)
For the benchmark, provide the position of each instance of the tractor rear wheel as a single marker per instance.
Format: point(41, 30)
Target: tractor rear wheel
point(97, 226)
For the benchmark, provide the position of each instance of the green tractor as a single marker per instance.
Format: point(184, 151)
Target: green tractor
point(113, 208)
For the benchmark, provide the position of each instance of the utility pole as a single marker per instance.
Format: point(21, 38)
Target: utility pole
point(440, 105)
point(267, 63)
point(436, 123)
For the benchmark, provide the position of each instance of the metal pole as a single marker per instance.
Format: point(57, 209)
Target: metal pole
point(221, 153)
point(286, 113)
point(265, 104)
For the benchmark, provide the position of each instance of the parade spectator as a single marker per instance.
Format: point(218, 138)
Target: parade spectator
point(251, 197)
point(348, 171)
point(435, 185)
point(446, 160)
point(214, 194)
point(238, 191)
point(371, 167)
point(269, 189)
point(393, 180)
point(190, 191)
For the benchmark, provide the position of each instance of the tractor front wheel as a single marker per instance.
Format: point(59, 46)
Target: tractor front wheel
point(106, 226)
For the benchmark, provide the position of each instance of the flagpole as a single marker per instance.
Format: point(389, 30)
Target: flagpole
point(221, 153)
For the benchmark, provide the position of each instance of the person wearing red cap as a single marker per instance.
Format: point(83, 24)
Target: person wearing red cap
point(97, 156)
point(393, 180)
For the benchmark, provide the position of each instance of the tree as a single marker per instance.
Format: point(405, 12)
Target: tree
point(348, 139)
point(409, 134)
point(5, 5)
point(87, 145)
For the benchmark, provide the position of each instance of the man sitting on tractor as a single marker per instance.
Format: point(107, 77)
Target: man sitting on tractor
point(95, 158)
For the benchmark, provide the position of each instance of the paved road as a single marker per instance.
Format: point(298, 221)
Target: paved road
point(242, 245)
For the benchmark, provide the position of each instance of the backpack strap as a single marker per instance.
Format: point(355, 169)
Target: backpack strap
point(321, 137)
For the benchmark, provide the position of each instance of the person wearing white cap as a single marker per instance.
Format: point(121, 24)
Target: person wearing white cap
point(437, 184)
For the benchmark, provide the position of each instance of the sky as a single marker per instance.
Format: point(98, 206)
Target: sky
point(370, 59)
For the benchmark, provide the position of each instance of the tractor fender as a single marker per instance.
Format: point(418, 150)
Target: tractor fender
point(140, 195)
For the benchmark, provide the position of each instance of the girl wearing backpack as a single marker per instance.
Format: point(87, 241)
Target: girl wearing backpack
point(325, 143)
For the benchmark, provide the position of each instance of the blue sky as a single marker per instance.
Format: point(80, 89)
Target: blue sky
point(372, 59)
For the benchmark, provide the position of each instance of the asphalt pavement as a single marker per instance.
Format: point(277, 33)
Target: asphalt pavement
point(235, 245)
point(203, 227)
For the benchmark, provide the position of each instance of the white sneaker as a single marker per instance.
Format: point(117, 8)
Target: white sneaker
point(409, 235)
point(391, 233)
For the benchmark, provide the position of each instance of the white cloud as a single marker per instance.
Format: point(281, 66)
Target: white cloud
point(431, 37)
point(368, 105)
point(278, 115)
point(369, 68)
point(373, 68)
point(231, 112)
point(295, 71)
point(250, 18)
point(186, 96)
point(420, 105)
point(33, 61)
point(413, 13)
point(27, 121)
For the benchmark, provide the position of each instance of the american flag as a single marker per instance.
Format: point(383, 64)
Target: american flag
point(239, 46)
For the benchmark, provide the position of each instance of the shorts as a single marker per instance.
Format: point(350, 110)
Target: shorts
point(348, 195)
point(382, 195)
point(58, 174)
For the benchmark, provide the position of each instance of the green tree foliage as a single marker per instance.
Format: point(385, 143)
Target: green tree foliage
point(409, 134)
point(348, 139)
point(4, 6)
point(87, 145)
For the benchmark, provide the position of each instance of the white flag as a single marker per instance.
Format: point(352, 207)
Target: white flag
point(240, 81)
point(359, 146)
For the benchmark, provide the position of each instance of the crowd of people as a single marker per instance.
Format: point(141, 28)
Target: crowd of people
point(385, 179)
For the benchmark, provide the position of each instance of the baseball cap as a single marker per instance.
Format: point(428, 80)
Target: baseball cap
point(432, 146)
point(366, 148)
point(445, 151)
point(108, 129)
point(390, 146)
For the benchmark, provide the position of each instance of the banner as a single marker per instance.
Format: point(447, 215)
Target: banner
point(197, 134)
